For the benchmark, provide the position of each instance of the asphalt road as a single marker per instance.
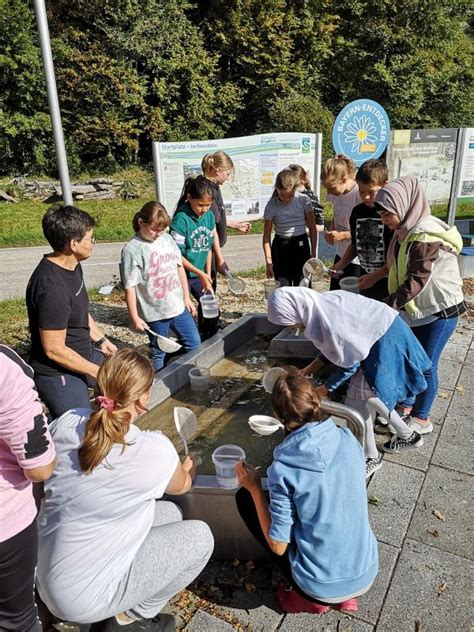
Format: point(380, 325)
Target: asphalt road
point(16, 264)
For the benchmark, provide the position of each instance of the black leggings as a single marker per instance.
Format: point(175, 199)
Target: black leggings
point(18, 557)
point(248, 513)
point(351, 269)
point(289, 254)
point(207, 326)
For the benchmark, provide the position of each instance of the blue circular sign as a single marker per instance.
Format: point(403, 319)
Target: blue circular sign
point(361, 131)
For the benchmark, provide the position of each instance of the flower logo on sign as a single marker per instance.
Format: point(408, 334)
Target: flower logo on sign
point(360, 132)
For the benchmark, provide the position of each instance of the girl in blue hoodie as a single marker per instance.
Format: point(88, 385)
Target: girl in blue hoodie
point(316, 521)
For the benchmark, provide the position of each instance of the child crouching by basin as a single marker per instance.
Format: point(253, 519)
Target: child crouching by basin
point(315, 523)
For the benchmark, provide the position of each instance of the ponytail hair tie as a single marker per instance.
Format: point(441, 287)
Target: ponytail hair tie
point(105, 402)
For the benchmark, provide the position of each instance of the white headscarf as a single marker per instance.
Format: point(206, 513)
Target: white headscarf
point(341, 325)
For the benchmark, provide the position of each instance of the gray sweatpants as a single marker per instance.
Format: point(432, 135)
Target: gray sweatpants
point(369, 410)
point(173, 554)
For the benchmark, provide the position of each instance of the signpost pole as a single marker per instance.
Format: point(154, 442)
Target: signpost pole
point(155, 150)
point(54, 111)
point(456, 176)
point(318, 152)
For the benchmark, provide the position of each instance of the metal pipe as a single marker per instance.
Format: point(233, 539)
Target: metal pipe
point(318, 154)
point(54, 111)
point(456, 177)
point(155, 150)
point(354, 419)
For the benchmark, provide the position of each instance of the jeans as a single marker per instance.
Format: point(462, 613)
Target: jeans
point(207, 326)
point(65, 391)
point(183, 326)
point(433, 338)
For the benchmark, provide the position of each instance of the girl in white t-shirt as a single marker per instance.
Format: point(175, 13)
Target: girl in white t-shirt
point(338, 178)
point(156, 287)
point(289, 211)
point(109, 548)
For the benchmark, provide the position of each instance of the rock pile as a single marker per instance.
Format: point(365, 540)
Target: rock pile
point(49, 190)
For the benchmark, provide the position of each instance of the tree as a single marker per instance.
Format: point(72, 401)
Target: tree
point(25, 128)
point(413, 56)
point(273, 50)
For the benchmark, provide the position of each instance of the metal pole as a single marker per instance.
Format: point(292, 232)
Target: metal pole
point(45, 44)
point(155, 150)
point(354, 419)
point(453, 196)
point(317, 164)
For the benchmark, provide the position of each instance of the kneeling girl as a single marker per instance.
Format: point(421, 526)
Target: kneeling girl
point(316, 524)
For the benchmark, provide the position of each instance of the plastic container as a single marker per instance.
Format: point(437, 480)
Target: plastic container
point(264, 424)
point(225, 458)
point(269, 285)
point(270, 377)
point(199, 378)
point(350, 284)
point(209, 305)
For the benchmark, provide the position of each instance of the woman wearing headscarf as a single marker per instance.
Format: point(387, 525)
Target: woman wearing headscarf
point(371, 344)
point(424, 281)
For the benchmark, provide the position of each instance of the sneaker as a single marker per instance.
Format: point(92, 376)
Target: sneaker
point(421, 426)
point(381, 420)
point(350, 605)
point(372, 465)
point(160, 623)
point(397, 444)
point(292, 602)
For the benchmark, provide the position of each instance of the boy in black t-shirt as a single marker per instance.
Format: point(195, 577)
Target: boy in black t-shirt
point(369, 236)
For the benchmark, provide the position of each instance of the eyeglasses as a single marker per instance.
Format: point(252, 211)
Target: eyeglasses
point(91, 239)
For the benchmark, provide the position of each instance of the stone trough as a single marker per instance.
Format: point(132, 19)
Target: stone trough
point(237, 358)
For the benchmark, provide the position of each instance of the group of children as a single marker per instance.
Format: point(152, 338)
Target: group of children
point(108, 551)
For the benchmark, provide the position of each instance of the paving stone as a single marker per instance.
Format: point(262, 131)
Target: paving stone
point(331, 622)
point(258, 611)
point(418, 458)
point(455, 445)
point(204, 622)
point(440, 407)
point(448, 373)
point(429, 586)
point(450, 493)
point(397, 488)
point(371, 603)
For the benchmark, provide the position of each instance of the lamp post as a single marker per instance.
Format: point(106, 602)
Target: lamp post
point(54, 111)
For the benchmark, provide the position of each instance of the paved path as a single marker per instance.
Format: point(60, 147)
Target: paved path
point(420, 510)
point(16, 264)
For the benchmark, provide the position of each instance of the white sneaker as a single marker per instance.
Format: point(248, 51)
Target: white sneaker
point(421, 427)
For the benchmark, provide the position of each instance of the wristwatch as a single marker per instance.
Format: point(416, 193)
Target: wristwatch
point(100, 342)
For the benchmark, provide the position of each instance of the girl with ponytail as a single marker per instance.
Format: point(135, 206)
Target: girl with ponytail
point(110, 550)
point(338, 177)
point(315, 521)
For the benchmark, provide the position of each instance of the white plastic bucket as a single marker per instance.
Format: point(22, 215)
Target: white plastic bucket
point(199, 378)
point(350, 284)
point(269, 285)
point(225, 458)
point(209, 305)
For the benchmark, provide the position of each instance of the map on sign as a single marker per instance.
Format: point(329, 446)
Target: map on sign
point(361, 131)
point(427, 154)
point(257, 160)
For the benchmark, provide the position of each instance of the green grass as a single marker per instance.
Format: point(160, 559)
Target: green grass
point(20, 224)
